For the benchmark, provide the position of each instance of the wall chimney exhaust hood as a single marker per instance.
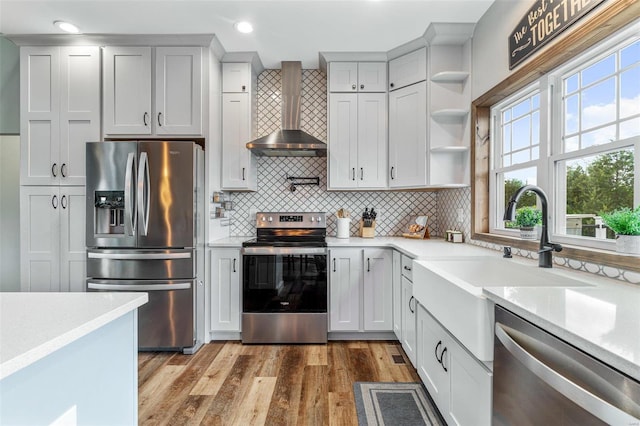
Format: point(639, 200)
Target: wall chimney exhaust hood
point(290, 141)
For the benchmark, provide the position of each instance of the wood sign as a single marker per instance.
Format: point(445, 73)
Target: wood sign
point(544, 21)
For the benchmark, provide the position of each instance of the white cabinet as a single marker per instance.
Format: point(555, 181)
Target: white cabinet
point(408, 137)
point(357, 77)
point(59, 112)
point(449, 104)
point(377, 288)
point(225, 290)
point(52, 238)
point(360, 290)
point(357, 147)
point(128, 79)
point(408, 320)
point(397, 294)
point(345, 280)
point(408, 69)
point(459, 384)
point(239, 168)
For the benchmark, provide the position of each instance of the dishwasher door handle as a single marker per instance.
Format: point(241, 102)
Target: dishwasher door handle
point(138, 287)
point(586, 400)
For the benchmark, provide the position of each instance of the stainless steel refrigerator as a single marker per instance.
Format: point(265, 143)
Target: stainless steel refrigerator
point(145, 210)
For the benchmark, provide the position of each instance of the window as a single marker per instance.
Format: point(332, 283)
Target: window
point(588, 163)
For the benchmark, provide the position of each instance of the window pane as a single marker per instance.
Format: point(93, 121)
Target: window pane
point(535, 129)
point(598, 137)
point(595, 185)
point(514, 180)
point(599, 104)
point(521, 133)
point(506, 139)
point(535, 101)
point(630, 55)
point(630, 128)
point(630, 92)
point(599, 70)
point(571, 112)
point(571, 84)
point(506, 115)
point(520, 156)
point(521, 108)
point(535, 153)
point(506, 160)
point(572, 144)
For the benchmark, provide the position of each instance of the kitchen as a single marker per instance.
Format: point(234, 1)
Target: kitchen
point(459, 203)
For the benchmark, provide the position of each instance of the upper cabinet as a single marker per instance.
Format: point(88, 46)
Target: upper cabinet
point(358, 77)
point(449, 103)
point(239, 168)
point(408, 69)
point(176, 80)
point(59, 112)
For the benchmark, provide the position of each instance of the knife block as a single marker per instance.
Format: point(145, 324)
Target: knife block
point(367, 231)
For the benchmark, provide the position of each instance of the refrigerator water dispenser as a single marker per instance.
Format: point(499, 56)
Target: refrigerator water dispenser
point(109, 214)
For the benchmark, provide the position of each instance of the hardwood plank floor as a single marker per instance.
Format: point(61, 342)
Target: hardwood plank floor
point(227, 383)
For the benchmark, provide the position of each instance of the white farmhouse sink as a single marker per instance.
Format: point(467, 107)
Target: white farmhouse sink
point(451, 290)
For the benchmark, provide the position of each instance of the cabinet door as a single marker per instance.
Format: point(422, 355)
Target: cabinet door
point(236, 77)
point(343, 77)
point(39, 238)
point(408, 320)
point(72, 211)
point(371, 172)
point(377, 291)
point(178, 91)
point(470, 384)
point(408, 137)
point(397, 294)
point(343, 140)
point(344, 289)
point(237, 168)
point(372, 77)
point(127, 90)
point(408, 69)
point(39, 115)
point(225, 290)
point(79, 109)
point(433, 340)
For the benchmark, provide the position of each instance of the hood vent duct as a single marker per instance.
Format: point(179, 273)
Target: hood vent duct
point(289, 141)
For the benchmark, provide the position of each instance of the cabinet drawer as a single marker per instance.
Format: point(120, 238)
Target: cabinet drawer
point(407, 267)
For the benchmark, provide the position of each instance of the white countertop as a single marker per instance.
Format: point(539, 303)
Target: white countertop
point(33, 325)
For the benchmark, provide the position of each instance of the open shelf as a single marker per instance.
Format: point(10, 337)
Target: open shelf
point(450, 149)
point(450, 77)
point(450, 113)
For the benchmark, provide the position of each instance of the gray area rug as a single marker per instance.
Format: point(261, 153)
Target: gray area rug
point(397, 404)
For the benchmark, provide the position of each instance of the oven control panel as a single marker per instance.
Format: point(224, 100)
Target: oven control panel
point(291, 220)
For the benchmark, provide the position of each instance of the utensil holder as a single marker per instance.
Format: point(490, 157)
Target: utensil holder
point(344, 225)
point(367, 231)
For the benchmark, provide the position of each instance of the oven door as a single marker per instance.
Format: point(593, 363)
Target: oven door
point(284, 279)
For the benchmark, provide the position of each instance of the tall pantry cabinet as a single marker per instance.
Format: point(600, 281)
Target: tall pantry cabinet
point(59, 112)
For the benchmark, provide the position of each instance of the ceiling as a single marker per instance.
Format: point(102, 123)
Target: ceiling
point(283, 30)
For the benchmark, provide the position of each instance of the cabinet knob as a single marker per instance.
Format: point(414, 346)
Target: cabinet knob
point(54, 169)
point(391, 85)
point(144, 118)
point(159, 123)
point(244, 88)
point(362, 86)
point(63, 202)
point(63, 169)
point(353, 87)
point(54, 201)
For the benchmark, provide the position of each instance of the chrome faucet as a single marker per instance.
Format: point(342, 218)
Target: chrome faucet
point(545, 259)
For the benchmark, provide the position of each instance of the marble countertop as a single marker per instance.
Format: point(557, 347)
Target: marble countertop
point(34, 325)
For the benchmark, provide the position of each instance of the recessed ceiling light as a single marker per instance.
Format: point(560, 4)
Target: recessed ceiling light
point(244, 27)
point(67, 27)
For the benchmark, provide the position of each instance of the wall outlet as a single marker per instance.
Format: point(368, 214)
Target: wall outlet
point(460, 215)
point(252, 214)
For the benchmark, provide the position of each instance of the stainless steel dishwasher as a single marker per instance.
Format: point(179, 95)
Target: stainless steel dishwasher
point(539, 379)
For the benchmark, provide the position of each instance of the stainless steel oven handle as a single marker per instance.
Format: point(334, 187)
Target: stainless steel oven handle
point(266, 251)
point(589, 402)
point(138, 287)
point(139, 256)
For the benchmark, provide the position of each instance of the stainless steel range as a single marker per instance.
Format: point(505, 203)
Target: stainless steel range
point(284, 279)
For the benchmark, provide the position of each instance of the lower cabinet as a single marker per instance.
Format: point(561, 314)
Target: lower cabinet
point(52, 238)
point(360, 297)
point(225, 289)
point(459, 384)
point(397, 294)
point(408, 308)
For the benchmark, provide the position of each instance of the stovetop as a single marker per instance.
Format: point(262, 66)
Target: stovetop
point(289, 229)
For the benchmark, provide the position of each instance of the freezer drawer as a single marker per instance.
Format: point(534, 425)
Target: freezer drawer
point(167, 320)
point(141, 264)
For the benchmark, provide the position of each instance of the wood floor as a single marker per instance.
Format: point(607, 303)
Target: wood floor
point(227, 383)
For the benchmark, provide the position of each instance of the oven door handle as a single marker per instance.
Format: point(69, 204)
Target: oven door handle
point(589, 402)
point(271, 251)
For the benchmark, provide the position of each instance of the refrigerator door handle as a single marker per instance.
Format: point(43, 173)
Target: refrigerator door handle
point(138, 287)
point(129, 204)
point(139, 256)
point(144, 191)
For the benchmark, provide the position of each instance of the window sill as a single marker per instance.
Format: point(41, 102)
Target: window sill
point(600, 257)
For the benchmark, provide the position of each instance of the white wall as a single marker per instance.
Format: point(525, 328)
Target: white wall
point(491, 45)
point(9, 213)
